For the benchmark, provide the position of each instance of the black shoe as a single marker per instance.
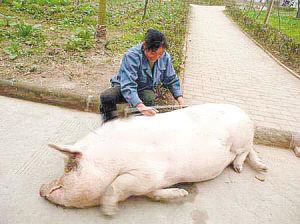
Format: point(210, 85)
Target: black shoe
point(108, 116)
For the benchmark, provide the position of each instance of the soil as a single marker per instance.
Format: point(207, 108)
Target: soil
point(86, 74)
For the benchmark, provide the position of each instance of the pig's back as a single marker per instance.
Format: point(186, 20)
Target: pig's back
point(180, 128)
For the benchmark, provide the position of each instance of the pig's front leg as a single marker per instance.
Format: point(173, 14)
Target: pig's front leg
point(167, 194)
point(121, 188)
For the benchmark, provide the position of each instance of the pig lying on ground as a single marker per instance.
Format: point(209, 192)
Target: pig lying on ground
point(146, 155)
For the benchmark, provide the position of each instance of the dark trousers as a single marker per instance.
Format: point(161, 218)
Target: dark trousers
point(110, 97)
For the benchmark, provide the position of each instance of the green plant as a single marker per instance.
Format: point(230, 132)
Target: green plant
point(24, 29)
point(30, 34)
point(5, 35)
point(85, 34)
point(86, 9)
point(17, 5)
point(83, 39)
point(6, 20)
point(13, 50)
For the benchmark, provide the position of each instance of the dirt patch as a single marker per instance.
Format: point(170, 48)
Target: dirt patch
point(56, 70)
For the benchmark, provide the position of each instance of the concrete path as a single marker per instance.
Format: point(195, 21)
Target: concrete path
point(223, 65)
point(26, 162)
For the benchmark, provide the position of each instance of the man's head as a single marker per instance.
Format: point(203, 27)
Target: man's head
point(155, 44)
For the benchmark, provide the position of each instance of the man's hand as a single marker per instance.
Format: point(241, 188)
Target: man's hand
point(147, 111)
point(180, 101)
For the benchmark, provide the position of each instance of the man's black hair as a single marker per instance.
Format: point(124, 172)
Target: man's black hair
point(155, 39)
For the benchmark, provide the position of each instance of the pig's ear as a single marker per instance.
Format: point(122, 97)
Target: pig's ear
point(68, 150)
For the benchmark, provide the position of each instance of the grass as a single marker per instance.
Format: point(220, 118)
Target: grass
point(285, 21)
point(37, 27)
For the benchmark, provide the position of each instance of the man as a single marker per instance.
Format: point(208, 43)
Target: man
point(143, 68)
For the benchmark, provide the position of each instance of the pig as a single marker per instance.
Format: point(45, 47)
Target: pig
point(146, 156)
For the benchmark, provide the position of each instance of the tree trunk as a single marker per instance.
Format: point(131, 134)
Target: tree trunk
point(298, 12)
point(269, 12)
point(101, 28)
point(145, 8)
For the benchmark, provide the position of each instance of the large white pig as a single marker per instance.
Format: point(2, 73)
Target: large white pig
point(146, 155)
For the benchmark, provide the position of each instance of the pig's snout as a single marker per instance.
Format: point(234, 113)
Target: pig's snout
point(47, 189)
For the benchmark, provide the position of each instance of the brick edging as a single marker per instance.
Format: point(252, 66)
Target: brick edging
point(27, 91)
point(277, 138)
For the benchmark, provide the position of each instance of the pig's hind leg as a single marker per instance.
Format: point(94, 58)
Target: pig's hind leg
point(242, 151)
point(256, 162)
point(239, 161)
point(253, 160)
point(167, 194)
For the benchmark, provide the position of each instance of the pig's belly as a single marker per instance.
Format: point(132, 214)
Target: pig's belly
point(197, 166)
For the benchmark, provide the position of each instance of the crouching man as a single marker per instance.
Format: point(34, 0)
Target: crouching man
point(143, 68)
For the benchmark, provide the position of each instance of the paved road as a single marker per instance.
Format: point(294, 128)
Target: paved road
point(26, 162)
point(224, 65)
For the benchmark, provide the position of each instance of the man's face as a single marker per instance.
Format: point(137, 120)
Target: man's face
point(153, 56)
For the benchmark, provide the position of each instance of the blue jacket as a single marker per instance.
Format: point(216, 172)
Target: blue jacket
point(135, 75)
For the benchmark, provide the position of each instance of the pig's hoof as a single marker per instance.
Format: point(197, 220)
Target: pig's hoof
point(167, 194)
point(177, 193)
point(238, 168)
point(260, 166)
point(109, 210)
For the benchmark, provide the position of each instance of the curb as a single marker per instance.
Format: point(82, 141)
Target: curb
point(277, 138)
point(26, 91)
point(16, 89)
